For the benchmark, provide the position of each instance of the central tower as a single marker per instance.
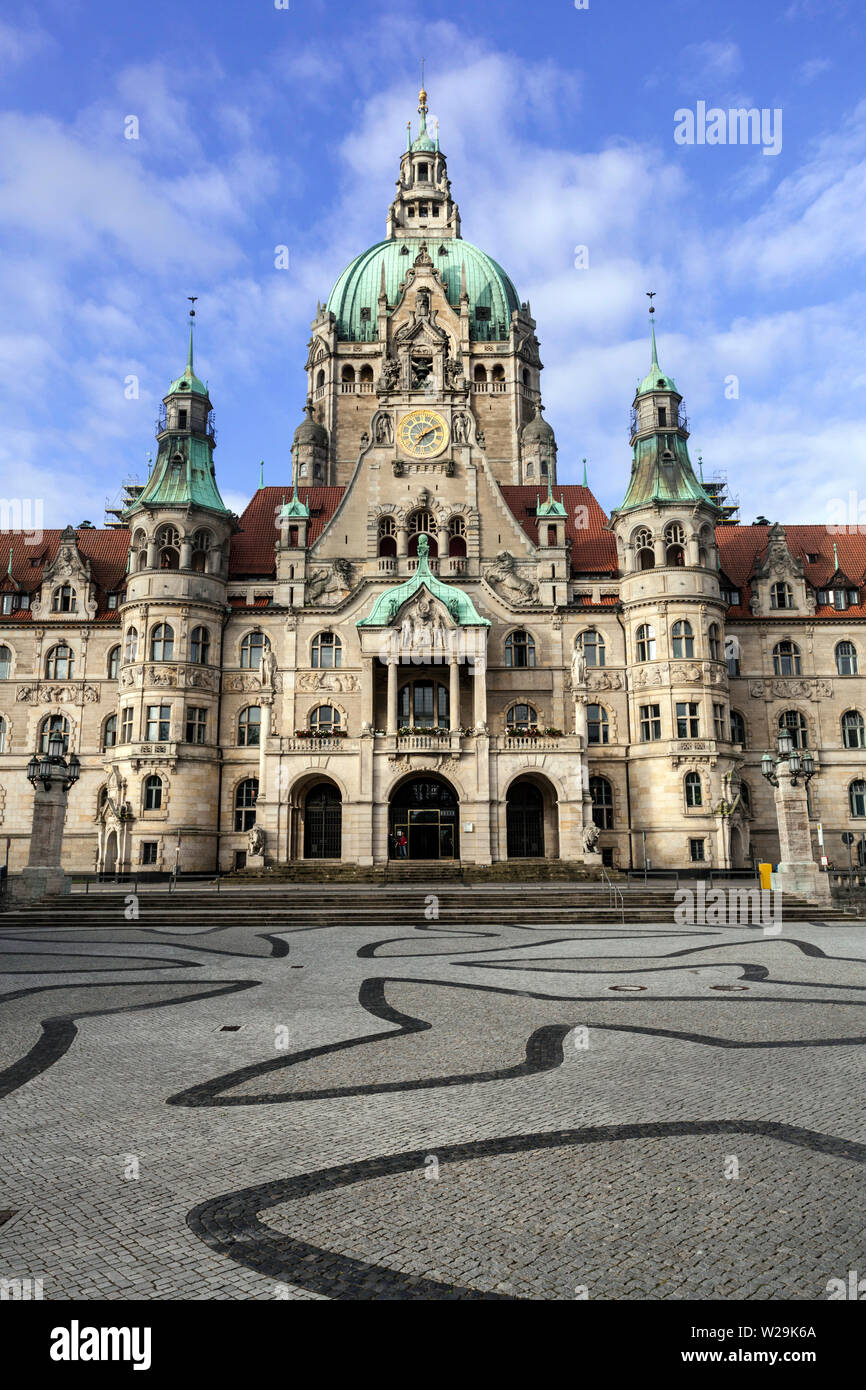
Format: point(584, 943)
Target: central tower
point(424, 319)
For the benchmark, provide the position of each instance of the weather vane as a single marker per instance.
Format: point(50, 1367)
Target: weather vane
point(192, 299)
point(651, 294)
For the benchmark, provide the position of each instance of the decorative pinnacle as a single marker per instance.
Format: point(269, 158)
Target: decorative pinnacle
point(585, 483)
point(192, 299)
point(262, 473)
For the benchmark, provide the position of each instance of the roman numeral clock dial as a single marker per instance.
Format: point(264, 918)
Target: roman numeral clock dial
point(422, 434)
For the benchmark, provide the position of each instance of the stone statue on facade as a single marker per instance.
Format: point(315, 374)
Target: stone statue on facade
point(256, 840)
point(268, 669)
point(590, 838)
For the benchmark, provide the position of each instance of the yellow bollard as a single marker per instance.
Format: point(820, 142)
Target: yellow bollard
point(765, 870)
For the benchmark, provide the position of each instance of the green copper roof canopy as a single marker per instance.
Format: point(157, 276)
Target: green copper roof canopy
point(487, 284)
point(389, 603)
point(183, 476)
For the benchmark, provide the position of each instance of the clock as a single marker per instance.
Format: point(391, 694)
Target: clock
point(423, 434)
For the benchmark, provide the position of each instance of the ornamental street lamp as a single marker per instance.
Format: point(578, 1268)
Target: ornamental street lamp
point(51, 776)
point(790, 771)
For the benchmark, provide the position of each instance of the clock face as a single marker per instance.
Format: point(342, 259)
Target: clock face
point(423, 434)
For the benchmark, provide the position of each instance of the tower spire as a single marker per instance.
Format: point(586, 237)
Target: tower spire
point(189, 367)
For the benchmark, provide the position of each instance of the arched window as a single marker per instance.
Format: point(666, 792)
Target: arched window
point(347, 375)
point(597, 730)
point(520, 719)
point(320, 379)
point(715, 642)
point(497, 377)
point(738, 728)
point(109, 732)
point(246, 796)
point(327, 651)
point(199, 646)
point(423, 523)
point(519, 649)
point(60, 663)
point(130, 646)
point(781, 596)
point(167, 542)
point(5, 663)
point(324, 719)
point(366, 374)
point(479, 376)
point(387, 536)
point(201, 544)
point(153, 792)
point(54, 724)
point(251, 650)
point(139, 550)
point(746, 797)
point(423, 705)
point(853, 729)
point(857, 797)
point(2, 734)
point(65, 599)
point(457, 536)
point(795, 723)
point(162, 643)
point(846, 659)
point(645, 641)
point(601, 793)
point(786, 658)
point(684, 640)
point(593, 647)
point(675, 540)
point(645, 556)
point(113, 663)
point(694, 791)
point(249, 727)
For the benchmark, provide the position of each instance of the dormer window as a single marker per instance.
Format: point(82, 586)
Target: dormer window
point(65, 599)
point(781, 596)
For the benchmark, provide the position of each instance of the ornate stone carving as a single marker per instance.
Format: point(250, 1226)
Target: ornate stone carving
point(383, 428)
point(256, 840)
point(604, 680)
point(505, 578)
point(590, 838)
point(339, 682)
point(164, 676)
point(268, 669)
point(330, 585)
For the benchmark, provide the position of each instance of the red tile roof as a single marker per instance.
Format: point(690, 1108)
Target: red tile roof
point(105, 548)
point(742, 547)
point(593, 548)
point(252, 551)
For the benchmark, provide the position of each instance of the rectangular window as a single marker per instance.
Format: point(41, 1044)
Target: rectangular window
point(126, 717)
point(688, 720)
point(365, 314)
point(149, 851)
point(158, 722)
point(650, 723)
point(733, 665)
point(731, 597)
point(111, 601)
point(663, 415)
point(607, 856)
point(696, 851)
point(719, 722)
point(196, 725)
point(482, 313)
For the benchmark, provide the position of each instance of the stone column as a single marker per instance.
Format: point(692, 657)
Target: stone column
point(797, 872)
point(479, 676)
point(185, 554)
point(402, 542)
point(368, 691)
point(454, 693)
point(391, 726)
point(581, 726)
point(659, 548)
point(264, 734)
point(151, 555)
point(43, 873)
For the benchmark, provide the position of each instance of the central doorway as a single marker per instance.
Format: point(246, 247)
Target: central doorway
point(426, 810)
point(524, 812)
point(323, 822)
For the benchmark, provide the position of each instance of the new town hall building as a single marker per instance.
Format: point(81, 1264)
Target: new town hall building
point(423, 634)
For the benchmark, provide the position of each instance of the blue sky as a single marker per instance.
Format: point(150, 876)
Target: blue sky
point(260, 127)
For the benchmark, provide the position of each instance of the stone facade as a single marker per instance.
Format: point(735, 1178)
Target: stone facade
point(432, 634)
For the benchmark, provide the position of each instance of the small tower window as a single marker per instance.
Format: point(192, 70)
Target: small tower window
point(181, 419)
point(663, 415)
point(423, 172)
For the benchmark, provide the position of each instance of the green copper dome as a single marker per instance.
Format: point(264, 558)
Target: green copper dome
point(655, 379)
point(487, 285)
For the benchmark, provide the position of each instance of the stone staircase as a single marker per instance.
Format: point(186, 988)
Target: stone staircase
point(395, 906)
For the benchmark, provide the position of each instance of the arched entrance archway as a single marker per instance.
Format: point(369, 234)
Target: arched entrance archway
point(426, 810)
point(323, 822)
point(524, 820)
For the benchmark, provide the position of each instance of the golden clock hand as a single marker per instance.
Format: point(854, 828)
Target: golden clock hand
point(431, 430)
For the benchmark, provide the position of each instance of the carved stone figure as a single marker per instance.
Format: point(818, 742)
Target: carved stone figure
point(591, 838)
point(422, 303)
point(460, 425)
point(578, 668)
point(383, 429)
point(390, 377)
point(454, 374)
point(256, 840)
point(506, 579)
point(268, 669)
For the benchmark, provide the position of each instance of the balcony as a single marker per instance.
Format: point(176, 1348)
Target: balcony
point(299, 743)
point(454, 564)
point(432, 560)
point(516, 743)
point(387, 564)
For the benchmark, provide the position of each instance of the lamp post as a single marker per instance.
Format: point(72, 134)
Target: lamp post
point(789, 771)
point(51, 776)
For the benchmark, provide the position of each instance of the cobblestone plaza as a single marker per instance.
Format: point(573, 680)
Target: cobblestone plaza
point(354, 1098)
